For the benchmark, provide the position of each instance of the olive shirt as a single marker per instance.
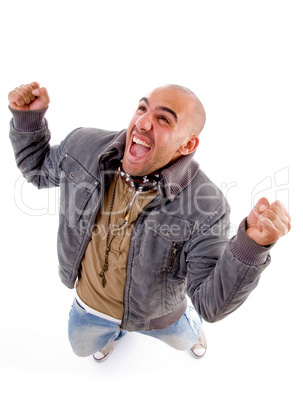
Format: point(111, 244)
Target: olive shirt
point(127, 205)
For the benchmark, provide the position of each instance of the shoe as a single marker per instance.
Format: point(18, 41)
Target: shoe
point(104, 353)
point(200, 347)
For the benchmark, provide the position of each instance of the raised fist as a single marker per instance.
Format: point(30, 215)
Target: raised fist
point(28, 97)
point(268, 222)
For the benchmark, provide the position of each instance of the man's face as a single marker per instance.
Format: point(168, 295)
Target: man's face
point(157, 130)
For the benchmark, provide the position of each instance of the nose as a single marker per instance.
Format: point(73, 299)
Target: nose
point(144, 122)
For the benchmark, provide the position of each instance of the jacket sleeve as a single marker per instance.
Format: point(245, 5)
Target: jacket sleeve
point(36, 159)
point(221, 273)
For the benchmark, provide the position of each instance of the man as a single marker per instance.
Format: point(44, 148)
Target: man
point(140, 225)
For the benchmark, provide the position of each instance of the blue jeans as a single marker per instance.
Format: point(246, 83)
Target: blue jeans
point(89, 333)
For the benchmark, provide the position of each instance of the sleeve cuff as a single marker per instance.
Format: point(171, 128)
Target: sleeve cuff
point(247, 250)
point(29, 121)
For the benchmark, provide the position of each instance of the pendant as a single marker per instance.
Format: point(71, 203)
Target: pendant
point(102, 275)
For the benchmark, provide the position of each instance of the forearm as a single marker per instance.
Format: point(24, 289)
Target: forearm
point(28, 121)
point(232, 278)
point(30, 136)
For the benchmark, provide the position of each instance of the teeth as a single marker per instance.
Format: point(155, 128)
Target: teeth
point(140, 142)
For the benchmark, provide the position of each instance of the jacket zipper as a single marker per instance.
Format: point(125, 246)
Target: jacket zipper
point(173, 255)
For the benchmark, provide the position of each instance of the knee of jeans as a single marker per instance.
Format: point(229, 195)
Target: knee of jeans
point(80, 352)
point(79, 342)
point(78, 346)
point(181, 345)
point(84, 343)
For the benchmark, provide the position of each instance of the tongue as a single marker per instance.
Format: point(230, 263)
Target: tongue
point(139, 150)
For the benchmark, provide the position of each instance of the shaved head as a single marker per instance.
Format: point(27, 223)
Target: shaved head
point(198, 115)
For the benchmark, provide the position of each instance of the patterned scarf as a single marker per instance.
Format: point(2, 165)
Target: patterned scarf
point(139, 183)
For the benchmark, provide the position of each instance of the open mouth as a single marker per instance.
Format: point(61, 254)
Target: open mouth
point(139, 148)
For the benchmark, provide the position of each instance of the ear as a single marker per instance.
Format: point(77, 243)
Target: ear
point(189, 146)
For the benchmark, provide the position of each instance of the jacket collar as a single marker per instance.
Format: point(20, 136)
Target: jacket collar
point(174, 178)
point(179, 175)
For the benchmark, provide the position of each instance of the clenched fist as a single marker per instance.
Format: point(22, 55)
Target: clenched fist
point(268, 222)
point(28, 97)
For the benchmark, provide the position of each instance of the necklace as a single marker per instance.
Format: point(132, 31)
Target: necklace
point(108, 240)
point(139, 184)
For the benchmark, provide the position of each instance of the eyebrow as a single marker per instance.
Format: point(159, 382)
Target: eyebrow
point(163, 108)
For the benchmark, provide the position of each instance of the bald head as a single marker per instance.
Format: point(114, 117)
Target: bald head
point(197, 115)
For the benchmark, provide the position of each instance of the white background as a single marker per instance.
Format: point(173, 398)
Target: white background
point(97, 58)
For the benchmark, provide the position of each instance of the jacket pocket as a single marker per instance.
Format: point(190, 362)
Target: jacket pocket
point(77, 186)
point(175, 291)
point(162, 241)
